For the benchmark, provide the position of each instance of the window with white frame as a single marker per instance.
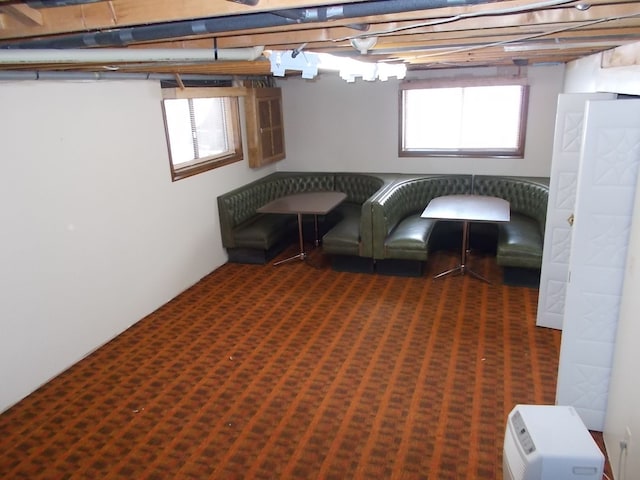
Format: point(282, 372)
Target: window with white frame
point(203, 129)
point(487, 120)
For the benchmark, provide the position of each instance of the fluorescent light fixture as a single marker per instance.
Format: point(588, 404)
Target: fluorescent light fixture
point(305, 62)
point(349, 69)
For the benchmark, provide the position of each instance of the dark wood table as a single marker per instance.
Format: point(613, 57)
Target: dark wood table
point(309, 203)
point(467, 208)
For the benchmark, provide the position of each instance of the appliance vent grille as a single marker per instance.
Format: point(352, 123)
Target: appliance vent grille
point(513, 462)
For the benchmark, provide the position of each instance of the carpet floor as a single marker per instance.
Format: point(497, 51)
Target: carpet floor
point(297, 372)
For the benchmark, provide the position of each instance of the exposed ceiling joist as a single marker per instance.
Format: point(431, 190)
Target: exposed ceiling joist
point(421, 33)
point(22, 13)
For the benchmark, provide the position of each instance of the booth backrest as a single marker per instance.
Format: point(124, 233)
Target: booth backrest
point(358, 187)
point(240, 205)
point(384, 199)
point(409, 197)
point(526, 195)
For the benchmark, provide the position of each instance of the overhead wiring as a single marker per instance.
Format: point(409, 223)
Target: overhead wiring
point(527, 37)
point(461, 16)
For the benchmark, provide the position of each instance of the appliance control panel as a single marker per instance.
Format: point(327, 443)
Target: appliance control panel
point(523, 434)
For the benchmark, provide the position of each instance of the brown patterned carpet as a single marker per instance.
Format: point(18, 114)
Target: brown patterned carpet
point(297, 372)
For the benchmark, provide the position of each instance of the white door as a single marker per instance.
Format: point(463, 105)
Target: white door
point(567, 145)
point(623, 414)
point(603, 214)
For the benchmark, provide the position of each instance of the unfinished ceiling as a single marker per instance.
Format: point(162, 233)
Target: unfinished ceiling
point(210, 37)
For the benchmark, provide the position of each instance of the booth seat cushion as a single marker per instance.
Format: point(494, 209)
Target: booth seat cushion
point(242, 227)
point(355, 226)
point(409, 239)
point(237, 208)
point(344, 237)
point(519, 242)
point(398, 230)
point(380, 219)
point(263, 231)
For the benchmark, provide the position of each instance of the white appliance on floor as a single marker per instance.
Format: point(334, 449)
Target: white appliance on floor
point(548, 442)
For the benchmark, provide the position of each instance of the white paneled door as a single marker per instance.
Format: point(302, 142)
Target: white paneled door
point(567, 148)
point(603, 213)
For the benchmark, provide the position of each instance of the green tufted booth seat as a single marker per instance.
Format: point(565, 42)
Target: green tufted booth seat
point(379, 223)
point(400, 234)
point(398, 230)
point(520, 241)
point(252, 237)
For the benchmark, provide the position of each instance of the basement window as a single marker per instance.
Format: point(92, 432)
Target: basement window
point(203, 129)
point(463, 120)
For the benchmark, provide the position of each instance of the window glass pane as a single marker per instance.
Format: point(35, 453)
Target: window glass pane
point(433, 117)
point(202, 133)
point(482, 120)
point(491, 117)
point(210, 126)
point(179, 128)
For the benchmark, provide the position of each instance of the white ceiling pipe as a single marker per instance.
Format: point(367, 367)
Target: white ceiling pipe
point(127, 55)
point(73, 75)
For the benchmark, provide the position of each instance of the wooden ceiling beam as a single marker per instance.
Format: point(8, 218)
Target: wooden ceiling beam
point(22, 14)
point(318, 39)
point(122, 13)
point(100, 15)
point(540, 21)
point(433, 38)
point(494, 58)
point(497, 35)
point(624, 56)
point(452, 40)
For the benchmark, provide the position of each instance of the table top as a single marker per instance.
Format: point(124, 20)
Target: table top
point(474, 208)
point(318, 203)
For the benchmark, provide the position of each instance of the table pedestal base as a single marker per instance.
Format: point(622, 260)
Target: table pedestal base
point(462, 267)
point(302, 255)
point(309, 203)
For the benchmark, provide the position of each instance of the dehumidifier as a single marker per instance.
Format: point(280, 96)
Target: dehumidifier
point(547, 442)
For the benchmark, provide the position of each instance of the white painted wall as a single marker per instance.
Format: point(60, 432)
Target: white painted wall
point(587, 75)
point(332, 125)
point(94, 234)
